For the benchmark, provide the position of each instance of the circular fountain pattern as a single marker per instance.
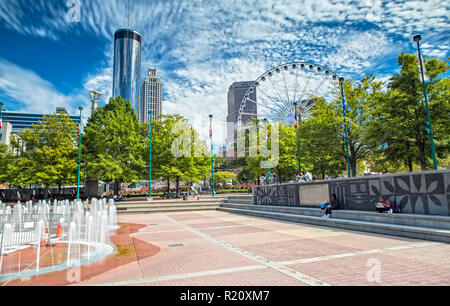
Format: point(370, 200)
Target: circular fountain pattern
point(80, 231)
point(102, 251)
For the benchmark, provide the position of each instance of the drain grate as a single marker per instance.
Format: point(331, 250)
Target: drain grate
point(176, 245)
point(153, 224)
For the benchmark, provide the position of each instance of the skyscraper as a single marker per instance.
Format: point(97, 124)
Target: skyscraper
point(151, 97)
point(236, 93)
point(127, 66)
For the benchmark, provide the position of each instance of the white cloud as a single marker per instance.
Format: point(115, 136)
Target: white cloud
point(200, 47)
point(101, 82)
point(37, 95)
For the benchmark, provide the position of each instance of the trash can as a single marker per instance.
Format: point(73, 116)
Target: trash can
point(185, 197)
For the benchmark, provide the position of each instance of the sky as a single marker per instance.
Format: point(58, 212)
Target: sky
point(201, 47)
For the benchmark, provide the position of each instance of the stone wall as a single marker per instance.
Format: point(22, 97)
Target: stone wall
point(416, 192)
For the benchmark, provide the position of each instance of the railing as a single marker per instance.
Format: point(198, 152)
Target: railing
point(23, 231)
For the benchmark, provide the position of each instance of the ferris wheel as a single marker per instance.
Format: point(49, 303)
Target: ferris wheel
point(276, 93)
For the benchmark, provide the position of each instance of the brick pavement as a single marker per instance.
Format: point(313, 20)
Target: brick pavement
point(218, 248)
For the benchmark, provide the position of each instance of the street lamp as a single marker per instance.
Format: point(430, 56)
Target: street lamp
point(344, 109)
point(298, 142)
point(95, 96)
point(212, 155)
point(79, 154)
point(417, 39)
point(267, 151)
point(1, 123)
point(150, 156)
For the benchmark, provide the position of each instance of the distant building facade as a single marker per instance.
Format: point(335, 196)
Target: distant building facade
point(236, 93)
point(151, 97)
point(127, 66)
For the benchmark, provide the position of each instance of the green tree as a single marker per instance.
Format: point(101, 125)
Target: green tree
point(322, 135)
point(224, 176)
point(399, 125)
point(287, 166)
point(47, 153)
point(321, 141)
point(285, 162)
point(113, 144)
point(7, 164)
point(189, 167)
point(360, 97)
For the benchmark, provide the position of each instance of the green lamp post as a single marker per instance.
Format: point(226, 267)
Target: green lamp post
point(212, 155)
point(79, 155)
point(344, 109)
point(1, 122)
point(429, 129)
point(150, 156)
point(267, 151)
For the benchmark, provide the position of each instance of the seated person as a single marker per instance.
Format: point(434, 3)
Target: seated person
point(333, 205)
point(383, 205)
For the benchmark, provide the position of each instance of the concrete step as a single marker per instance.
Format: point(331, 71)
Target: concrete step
point(425, 233)
point(168, 202)
point(430, 221)
point(165, 208)
point(181, 205)
point(241, 196)
point(239, 201)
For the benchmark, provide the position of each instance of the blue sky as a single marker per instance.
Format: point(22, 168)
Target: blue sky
point(201, 47)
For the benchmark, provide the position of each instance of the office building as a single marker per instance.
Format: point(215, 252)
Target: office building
point(151, 97)
point(127, 66)
point(236, 93)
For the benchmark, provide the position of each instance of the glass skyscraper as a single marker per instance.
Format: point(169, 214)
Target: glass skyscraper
point(127, 66)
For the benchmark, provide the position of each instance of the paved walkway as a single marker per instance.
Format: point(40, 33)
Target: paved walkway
point(218, 248)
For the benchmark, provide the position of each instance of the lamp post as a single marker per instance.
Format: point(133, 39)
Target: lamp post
point(417, 39)
point(298, 142)
point(212, 154)
point(1, 122)
point(95, 96)
point(267, 151)
point(344, 109)
point(79, 154)
point(150, 156)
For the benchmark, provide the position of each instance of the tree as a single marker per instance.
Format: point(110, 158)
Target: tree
point(321, 141)
point(173, 133)
point(47, 153)
point(399, 126)
point(322, 135)
point(113, 144)
point(224, 176)
point(287, 166)
point(361, 98)
point(7, 164)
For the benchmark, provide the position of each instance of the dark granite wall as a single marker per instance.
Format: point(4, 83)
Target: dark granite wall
point(416, 192)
